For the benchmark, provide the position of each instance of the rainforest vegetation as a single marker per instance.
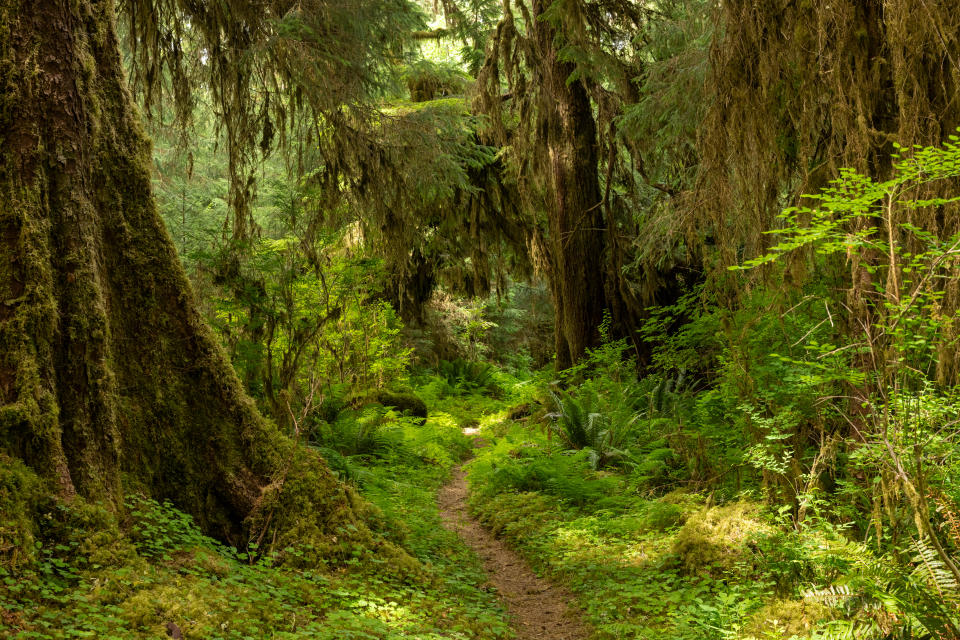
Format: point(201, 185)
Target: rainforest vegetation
point(480, 319)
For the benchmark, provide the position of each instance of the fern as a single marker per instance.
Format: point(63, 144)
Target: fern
point(586, 423)
point(922, 600)
point(469, 376)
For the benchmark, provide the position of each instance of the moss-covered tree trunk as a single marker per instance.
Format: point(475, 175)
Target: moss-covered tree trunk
point(576, 221)
point(109, 379)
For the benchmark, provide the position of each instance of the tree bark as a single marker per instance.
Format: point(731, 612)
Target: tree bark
point(110, 381)
point(576, 219)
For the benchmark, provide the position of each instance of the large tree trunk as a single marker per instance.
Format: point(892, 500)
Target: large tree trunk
point(109, 379)
point(575, 213)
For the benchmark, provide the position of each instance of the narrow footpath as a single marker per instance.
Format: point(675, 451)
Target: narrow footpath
point(539, 609)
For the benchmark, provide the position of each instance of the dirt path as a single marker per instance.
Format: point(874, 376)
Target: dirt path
point(538, 608)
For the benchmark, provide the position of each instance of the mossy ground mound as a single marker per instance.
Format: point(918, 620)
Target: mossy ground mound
point(22, 496)
point(407, 403)
point(716, 538)
point(786, 619)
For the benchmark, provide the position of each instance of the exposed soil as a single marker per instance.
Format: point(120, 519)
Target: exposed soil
point(538, 608)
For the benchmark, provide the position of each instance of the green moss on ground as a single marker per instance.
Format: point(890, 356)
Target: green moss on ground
point(716, 538)
point(22, 496)
point(406, 403)
point(93, 576)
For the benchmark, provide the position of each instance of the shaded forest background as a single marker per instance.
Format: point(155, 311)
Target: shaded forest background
point(711, 248)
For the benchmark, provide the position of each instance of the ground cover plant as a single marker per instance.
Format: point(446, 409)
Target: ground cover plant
point(96, 577)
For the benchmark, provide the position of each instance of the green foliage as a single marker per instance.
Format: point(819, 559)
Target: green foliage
point(468, 376)
point(87, 578)
point(611, 549)
point(408, 404)
point(427, 80)
point(561, 475)
point(157, 529)
point(881, 599)
point(900, 279)
point(581, 424)
point(373, 431)
point(22, 498)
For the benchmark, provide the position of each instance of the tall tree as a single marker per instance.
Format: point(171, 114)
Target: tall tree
point(557, 75)
point(109, 379)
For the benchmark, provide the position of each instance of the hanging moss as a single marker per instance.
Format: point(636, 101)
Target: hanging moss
point(799, 90)
point(110, 382)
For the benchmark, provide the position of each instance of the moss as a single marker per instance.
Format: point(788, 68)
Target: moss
point(785, 619)
point(660, 516)
point(151, 608)
point(22, 495)
point(519, 411)
point(308, 518)
point(717, 537)
point(407, 404)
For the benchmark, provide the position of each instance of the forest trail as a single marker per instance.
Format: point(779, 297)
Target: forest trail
point(538, 608)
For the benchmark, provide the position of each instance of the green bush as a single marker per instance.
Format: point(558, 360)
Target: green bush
point(528, 467)
point(372, 431)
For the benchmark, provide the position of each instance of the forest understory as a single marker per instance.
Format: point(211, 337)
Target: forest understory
point(614, 565)
point(480, 319)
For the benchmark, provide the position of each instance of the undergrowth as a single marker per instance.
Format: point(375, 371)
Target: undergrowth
point(649, 553)
point(97, 577)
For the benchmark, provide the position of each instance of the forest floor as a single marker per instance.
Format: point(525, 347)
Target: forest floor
point(480, 501)
point(539, 609)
